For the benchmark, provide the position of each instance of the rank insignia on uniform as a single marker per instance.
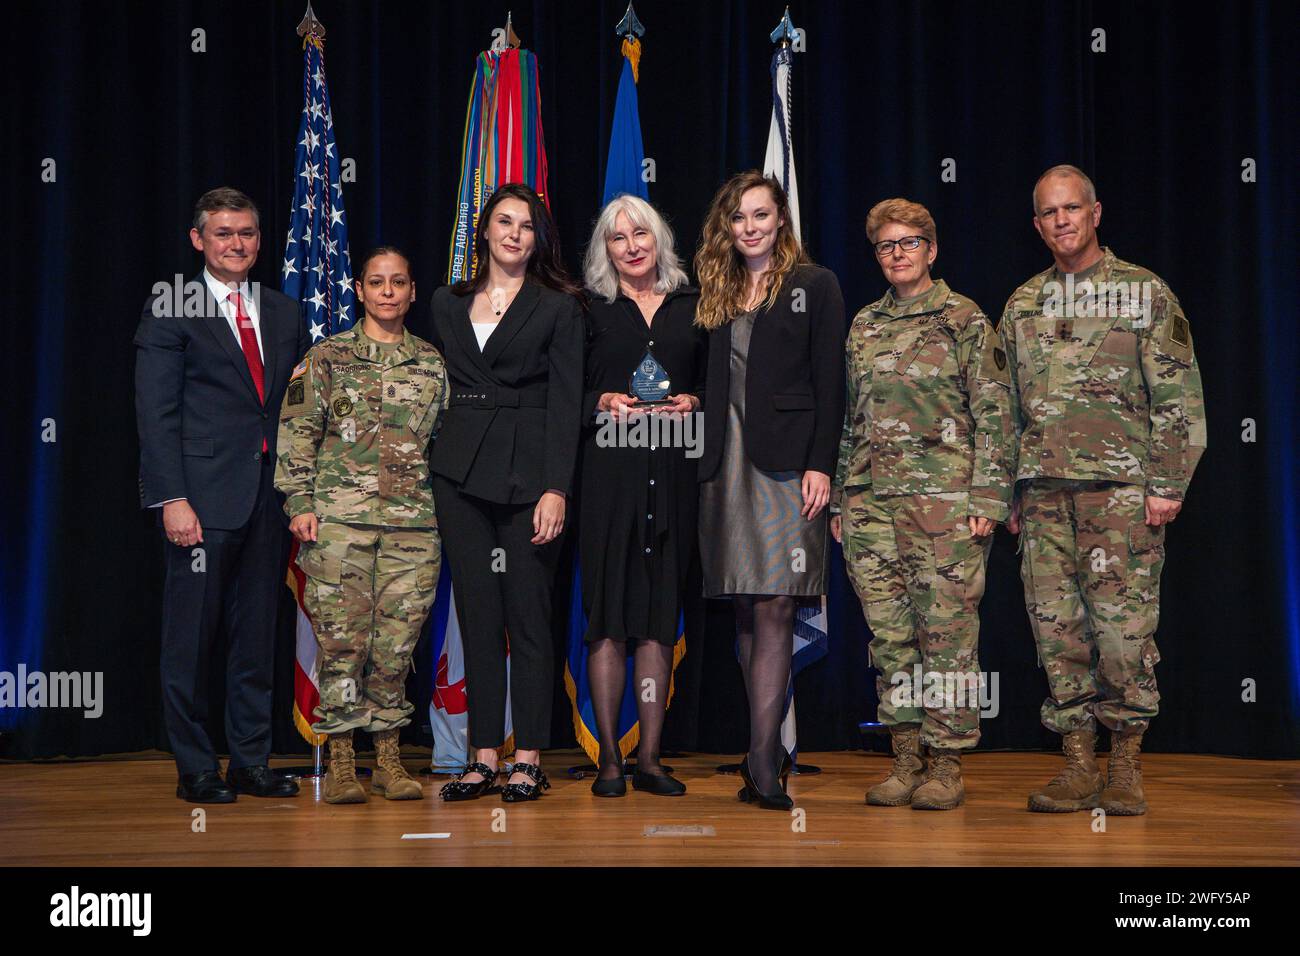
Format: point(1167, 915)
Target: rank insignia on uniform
point(342, 407)
point(297, 393)
point(1179, 333)
point(1000, 357)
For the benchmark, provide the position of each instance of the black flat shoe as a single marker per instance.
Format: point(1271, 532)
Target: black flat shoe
point(458, 789)
point(658, 783)
point(751, 794)
point(261, 781)
point(204, 787)
point(519, 792)
point(612, 787)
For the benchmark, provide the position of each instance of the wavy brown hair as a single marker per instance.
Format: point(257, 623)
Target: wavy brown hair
point(720, 268)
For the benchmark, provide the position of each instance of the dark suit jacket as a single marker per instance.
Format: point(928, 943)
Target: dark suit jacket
point(511, 432)
point(794, 380)
point(200, 422)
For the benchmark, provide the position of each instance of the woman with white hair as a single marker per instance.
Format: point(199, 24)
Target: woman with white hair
point(639, 499)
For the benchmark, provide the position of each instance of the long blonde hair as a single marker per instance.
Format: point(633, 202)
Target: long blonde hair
point(720, 268)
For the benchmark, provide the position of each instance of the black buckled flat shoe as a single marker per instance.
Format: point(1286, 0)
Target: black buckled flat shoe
point(261, 781)
point(459, 789)
point(660, 784)
point(519, 792)
point(204, 787)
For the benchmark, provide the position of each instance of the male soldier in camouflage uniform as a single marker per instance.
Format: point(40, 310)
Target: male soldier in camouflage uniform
point(358, 417)
point(1111, 419)
point(925, 468)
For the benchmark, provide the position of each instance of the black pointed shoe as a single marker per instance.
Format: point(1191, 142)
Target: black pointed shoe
point(205, 786)
point(750, 793)
point(261, 781)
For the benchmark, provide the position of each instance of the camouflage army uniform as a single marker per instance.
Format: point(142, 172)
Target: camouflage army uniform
point(355, 429)
point(1109, 409)
point(927, 442)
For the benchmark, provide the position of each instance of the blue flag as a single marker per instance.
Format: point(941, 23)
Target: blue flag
point(626, 154)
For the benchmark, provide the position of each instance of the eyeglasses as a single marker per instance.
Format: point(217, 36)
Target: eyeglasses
point(909, 244)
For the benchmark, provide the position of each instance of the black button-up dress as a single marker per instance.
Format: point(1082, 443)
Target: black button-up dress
point(638, 506)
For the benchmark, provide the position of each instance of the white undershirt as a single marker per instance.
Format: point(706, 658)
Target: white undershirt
point(482, 330)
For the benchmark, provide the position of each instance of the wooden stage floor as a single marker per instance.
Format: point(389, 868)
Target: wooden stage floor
point(1204, 811)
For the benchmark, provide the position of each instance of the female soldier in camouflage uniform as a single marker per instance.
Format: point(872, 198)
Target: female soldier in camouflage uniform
point(924, 474)
point(358, 417)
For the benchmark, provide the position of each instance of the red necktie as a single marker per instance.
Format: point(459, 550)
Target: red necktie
point(248, 341)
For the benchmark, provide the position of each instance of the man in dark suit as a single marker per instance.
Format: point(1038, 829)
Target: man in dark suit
point(212, 363)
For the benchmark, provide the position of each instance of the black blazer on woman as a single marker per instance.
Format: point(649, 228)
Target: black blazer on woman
point(511, 431)
point(794, 380)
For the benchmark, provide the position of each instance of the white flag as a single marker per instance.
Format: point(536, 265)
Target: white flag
point(779, 161)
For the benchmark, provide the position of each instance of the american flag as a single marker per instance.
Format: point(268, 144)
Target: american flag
point(318, 274)
point(317, 265)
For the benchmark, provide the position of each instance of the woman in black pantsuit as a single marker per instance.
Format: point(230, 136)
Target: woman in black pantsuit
point(771, 436)
point(639, 497)
point(502, 465)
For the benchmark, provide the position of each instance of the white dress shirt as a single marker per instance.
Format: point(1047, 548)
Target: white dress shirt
point(221, 292)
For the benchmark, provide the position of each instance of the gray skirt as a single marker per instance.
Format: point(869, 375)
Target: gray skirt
point(752, 538)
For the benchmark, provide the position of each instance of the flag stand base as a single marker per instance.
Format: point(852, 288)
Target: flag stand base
point(317, 768)
point(799, 769)
point(442, 771)
point(583, 770)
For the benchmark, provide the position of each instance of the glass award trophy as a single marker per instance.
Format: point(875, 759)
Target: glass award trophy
point(649, 382)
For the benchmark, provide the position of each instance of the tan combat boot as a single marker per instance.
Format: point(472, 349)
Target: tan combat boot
point(1123, 795)
point(943, 789)
point(1078, 785)
point(341, 784)
point(908, 771)
point(390, 777)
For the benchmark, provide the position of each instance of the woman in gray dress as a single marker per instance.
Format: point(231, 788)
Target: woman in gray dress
point(771, 434)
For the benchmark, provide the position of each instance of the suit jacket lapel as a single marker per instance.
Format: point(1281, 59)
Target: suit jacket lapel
point(265, 311)
point(521, 309)
point(463, 329)
point(214, 321)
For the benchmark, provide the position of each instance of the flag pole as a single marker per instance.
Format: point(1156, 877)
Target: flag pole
point(783, 36)
point(308, 25)
point(312, 31)
point(629, 30)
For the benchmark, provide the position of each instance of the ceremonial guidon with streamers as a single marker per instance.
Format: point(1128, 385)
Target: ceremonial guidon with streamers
point(317, 268)
point(504, 143)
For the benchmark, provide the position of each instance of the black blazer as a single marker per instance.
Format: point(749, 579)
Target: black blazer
point(200, 423)
point(794, 380)
point(511, 431)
